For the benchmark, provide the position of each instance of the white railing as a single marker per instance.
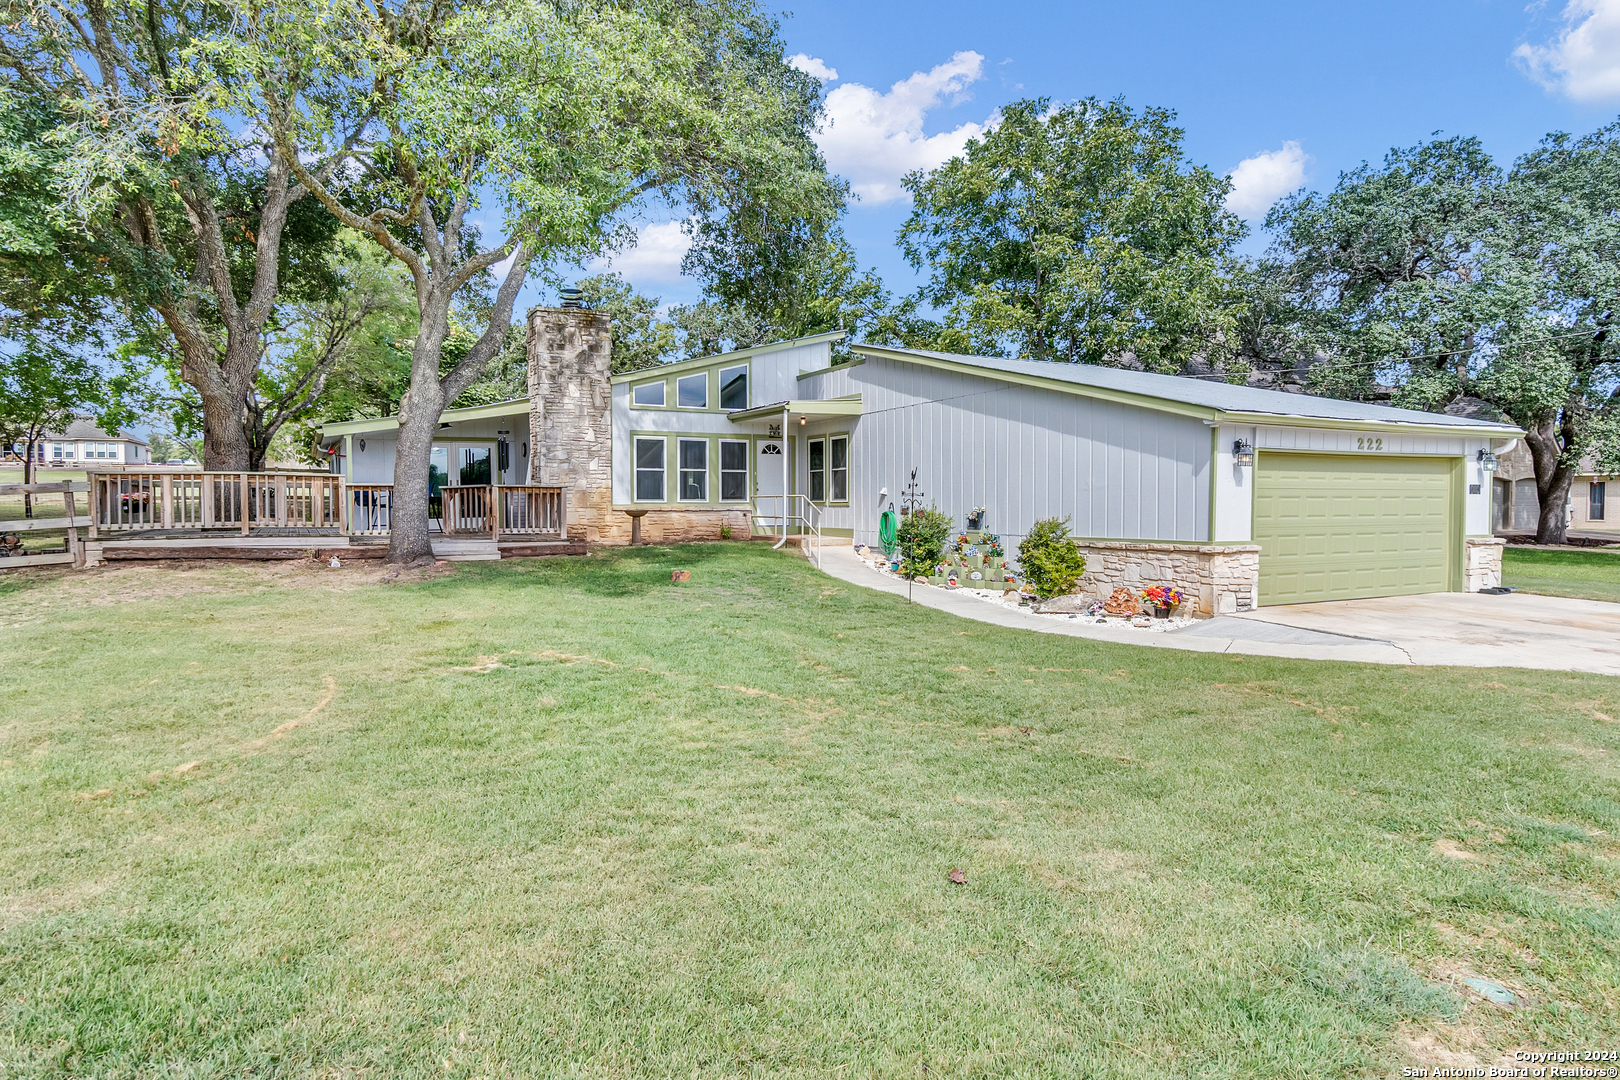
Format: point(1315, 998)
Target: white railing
point(793, 515)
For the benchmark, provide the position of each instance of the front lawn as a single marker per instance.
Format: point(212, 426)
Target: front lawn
point(563, 817)
point(1593, 574)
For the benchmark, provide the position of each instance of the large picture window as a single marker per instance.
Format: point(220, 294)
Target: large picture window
point(733, 470)
point(818, 470)
point(649, 470)
point(838, 468)
point(694, 479)
point(1594, 501)
point(692, 391)
point(734, 387)
point(649, 395)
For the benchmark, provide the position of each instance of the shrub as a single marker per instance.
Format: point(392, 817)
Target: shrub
point(921, 539)
point(1050, 560)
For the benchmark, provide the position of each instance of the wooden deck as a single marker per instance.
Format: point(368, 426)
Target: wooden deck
point(148, 513)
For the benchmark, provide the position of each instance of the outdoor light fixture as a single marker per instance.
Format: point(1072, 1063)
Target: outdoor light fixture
point(803, 420)
point(362, 446)
point(1243, 453)
point(1487, 461)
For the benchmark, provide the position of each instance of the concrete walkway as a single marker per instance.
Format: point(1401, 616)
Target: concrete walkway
point(1464, 629)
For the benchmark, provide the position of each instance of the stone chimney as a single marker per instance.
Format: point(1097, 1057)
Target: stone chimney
point(570, 405)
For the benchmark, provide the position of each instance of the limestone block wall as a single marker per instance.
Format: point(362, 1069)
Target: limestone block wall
point(1218, 578)
point(570, 402)
point(673, 526)
point(1482, 562)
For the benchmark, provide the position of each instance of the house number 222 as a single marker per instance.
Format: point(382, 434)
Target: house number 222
point(1366, 443)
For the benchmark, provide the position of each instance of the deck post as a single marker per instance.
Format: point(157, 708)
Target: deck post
point(494, 515)
point(168, 500)
point(74, 547)
point(280, 493)
point(562, 512)
point(95, 493)
point(206, 487)
point(244, 479)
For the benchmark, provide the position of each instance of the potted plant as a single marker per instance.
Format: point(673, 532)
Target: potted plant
point(975, 517)
point(1164, 599)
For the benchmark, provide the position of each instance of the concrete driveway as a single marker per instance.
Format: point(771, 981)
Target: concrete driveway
point(1467, 629)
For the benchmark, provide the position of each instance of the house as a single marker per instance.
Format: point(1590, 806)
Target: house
point(1242, 496)
point(1516, 505)
point(84, 445)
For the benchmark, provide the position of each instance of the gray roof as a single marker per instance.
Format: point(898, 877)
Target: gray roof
point(1209, 393)
point(84, 427)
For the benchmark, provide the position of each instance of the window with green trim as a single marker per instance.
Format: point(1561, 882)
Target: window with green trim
point(838, 467)
point(692, 391)
point(818, 470)
point(694, 472)
point(649, 470)
point(649, 395)
point(733, 470)
point(734, 387)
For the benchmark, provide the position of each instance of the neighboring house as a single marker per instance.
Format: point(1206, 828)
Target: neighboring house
point(1516, 507)
point(84, 445)
point(1240, 495)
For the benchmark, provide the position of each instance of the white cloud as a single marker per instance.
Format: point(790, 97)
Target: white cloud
point(1584, 61)
point(1261, 180)
point(813, 66)
point(657, 255)
point(874, 139)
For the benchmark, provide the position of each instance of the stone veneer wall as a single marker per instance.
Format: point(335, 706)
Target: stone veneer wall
point(1222, 577)
point(673, 526)
point(570, 406)
point(1482, 562)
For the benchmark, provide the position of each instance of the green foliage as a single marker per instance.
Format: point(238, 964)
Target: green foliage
point(1078, 233)
point(1377, 987)
point(640, 338)
point(1049, 559)
point(921, 538)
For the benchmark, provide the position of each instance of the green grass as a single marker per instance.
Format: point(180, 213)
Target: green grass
point(563, 818)
point(1593, 574)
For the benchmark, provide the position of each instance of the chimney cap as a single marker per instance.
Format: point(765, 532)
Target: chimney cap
point(572, 297)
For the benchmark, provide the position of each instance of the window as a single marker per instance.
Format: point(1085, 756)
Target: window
point(733, 470)
point(1594, 501)
point(649, 470)
point(838, 454)
point(649, 395)
point(818, 470)
point(694, 470)
point(56, 451)
point(692, 391)
point(734, 387)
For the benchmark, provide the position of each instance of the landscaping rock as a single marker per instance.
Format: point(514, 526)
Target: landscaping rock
point(1072, 604)
point(681, 576)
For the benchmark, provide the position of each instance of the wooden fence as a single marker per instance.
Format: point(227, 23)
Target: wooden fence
point(140, 501)
point(70, 522)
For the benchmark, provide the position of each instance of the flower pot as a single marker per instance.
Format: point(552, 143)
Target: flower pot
point(1161, 611)
point(974, 562)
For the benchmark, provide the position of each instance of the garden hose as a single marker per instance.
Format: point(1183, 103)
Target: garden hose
point(886, 532)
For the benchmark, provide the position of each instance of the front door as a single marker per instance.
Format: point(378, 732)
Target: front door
point(768, 476)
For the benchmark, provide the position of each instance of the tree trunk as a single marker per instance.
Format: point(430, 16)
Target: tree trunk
point(408, 537)
point(1552, 480)
point(28, 478)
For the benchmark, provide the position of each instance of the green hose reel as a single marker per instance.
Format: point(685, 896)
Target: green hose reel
point(887, 533)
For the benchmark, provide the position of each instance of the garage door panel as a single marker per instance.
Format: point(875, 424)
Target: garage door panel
point(1340, 527)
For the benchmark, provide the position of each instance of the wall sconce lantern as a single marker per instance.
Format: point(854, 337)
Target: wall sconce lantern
point(803, 420)
point(1487, 461)
point(1243, 453)
point(362, 446)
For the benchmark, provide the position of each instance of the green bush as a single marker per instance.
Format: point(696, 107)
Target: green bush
point(1050, 560)
point(921, 540)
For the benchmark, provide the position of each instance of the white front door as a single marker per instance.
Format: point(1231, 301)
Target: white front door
point(769, 471)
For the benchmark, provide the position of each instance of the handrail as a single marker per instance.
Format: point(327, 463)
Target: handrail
point(796, 508)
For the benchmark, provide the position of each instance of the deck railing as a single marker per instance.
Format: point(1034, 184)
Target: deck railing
point(131, 501)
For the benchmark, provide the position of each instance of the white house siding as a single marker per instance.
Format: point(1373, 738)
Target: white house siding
point(1116, 471)
point(375, 464)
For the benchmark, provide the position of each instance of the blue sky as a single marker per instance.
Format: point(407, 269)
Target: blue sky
point(1284, 94)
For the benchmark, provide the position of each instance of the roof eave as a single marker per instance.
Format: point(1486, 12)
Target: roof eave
point(1488, 430)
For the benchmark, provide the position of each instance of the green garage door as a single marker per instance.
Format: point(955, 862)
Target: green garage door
point(1337, 527)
